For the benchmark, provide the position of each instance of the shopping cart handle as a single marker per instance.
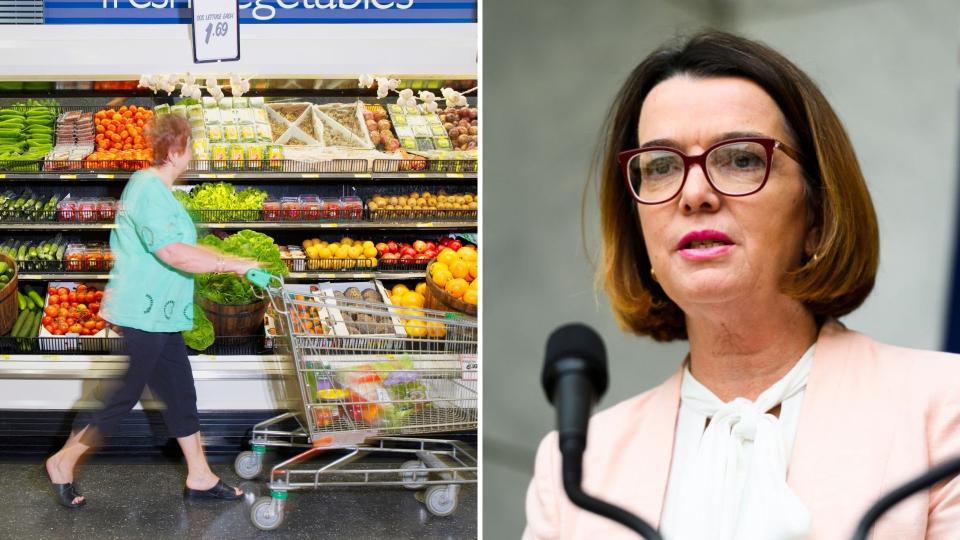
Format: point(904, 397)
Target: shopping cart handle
point(260, 278)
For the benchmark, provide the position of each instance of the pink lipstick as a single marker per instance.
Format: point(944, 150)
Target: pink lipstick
point(704, 245)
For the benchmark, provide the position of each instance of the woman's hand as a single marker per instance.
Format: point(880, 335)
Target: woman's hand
point(240, 266)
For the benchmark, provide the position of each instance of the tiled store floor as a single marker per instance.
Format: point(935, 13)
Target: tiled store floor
point(131, 498)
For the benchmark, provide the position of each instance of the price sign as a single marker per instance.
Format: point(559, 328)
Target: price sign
point(216, 31)
point(469, 366)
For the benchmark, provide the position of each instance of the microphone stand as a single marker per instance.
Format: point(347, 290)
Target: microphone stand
point(931, 477)
point(572, 452)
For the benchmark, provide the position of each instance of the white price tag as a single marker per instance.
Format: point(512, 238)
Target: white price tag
point(216, 31)
point(469, 366)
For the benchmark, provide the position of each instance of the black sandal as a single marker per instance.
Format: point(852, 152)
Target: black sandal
point(220, 491)
point(66, 493)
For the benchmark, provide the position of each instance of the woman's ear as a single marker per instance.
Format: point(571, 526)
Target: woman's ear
point(811, 241)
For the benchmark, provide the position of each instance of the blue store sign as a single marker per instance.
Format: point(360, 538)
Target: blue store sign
point(264, 11)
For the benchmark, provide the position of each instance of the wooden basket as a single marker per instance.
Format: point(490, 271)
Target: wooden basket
point(9, 309)
point(441, 300)
point(239, 320)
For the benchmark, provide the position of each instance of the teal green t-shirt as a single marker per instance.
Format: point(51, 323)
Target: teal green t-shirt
point(144, 292)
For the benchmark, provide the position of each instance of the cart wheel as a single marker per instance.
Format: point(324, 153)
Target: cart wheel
point(266, 515)
point(412, 476)
point(248, 465)
point(439, 501)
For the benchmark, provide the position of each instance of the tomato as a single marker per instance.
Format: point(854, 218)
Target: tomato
point(51, 290)
point(71, 321)
point(64, 298)
point(99, 295)
point(81, 307)
point(57, 332)
point(62, 312)
point(62, 291)
point(75, 329)
point(81, 288)
point(90, 324)
point(47, 320)
point(72, 296)
point(94, 307)
point(101, 324)
point(54, 300)
point(52, 311)
point(63, 327)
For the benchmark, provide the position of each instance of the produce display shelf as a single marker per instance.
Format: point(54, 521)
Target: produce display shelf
point(80, 276)
point(247, 176)
point(111, 366)
point(294, 225)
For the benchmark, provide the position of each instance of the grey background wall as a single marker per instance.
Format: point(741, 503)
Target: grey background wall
point(550, 71)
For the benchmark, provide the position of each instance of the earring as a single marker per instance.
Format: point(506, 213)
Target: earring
point(815, 257)
point(654, 275)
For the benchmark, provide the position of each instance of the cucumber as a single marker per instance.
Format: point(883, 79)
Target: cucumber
point(21, 301)
point(34, 328)
point(32, 295)
point(3, 267)
point(21, 321)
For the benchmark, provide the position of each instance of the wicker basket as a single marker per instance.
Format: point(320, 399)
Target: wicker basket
point(441, 300)
point(9, 309)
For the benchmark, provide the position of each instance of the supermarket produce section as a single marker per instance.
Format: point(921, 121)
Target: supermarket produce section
point(338, 192)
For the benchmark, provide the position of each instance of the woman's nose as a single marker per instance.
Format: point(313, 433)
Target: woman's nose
point(697, 194)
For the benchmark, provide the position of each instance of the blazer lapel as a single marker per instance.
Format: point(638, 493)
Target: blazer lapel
point(648, 451)
point(832, 469)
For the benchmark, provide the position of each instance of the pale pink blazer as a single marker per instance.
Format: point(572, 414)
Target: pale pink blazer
point(873, 416)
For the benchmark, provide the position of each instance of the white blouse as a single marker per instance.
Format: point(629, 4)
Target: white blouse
point(728, 479)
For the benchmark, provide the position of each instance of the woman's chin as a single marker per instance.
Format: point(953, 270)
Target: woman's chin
point(707, 291)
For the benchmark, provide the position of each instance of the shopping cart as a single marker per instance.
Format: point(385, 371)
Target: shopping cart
point(371, 376)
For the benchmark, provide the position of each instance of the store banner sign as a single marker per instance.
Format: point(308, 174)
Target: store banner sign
point(264, 11)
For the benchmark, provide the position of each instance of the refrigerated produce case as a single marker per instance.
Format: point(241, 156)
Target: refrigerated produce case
point(306, 199)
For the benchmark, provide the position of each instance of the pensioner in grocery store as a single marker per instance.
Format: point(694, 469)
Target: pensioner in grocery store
point(149, 298)
point(735, 216)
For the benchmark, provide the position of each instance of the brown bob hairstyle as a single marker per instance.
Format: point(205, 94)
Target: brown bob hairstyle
point(168, 134)
point(832, 283)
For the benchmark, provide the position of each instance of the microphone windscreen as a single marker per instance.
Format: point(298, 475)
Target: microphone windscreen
point(579, 341)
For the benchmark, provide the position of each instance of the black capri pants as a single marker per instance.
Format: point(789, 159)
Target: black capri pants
point(158, 360)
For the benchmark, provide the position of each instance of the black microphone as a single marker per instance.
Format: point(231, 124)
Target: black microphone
point(888, 501)
point(574, 378)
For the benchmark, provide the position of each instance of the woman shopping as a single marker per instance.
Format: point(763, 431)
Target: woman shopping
point(150, 296)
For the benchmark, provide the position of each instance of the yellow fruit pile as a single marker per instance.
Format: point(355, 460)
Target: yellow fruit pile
point(345, 254)
point(457, 273)
point(411, 303)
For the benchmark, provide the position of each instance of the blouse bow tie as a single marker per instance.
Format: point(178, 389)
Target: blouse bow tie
point(736, 487)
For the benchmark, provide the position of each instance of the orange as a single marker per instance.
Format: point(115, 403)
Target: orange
point(324, 253)
point(471, 296)
point(436, 329)
point(442, 277)
point(436, 267)
point(370, 251)
point(448, 256)
point(467, 253)
point(415, 329)
point(399, 289)
point(356, 251)
point(421, 288)
point(343, 252)
point(459, 269)
point(456, 287)
point(474, 270)
point(346, 241)
point(475, 284)
point(412, 299)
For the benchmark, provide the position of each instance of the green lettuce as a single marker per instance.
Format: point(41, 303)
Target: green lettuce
point(228, 288)
point(201, 335)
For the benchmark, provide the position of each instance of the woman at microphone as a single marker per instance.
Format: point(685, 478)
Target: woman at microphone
point(735, 216)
